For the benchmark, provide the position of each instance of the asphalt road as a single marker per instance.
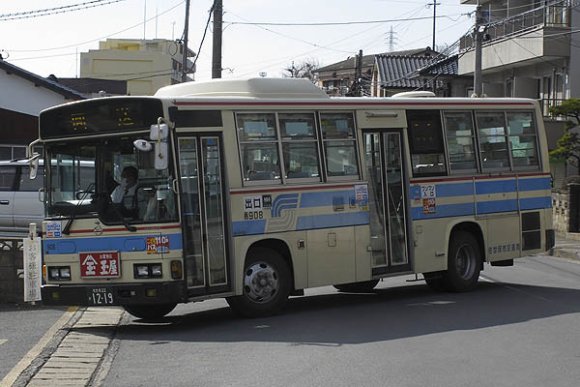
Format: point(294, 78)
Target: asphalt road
point(21, 328)
point(520, 327)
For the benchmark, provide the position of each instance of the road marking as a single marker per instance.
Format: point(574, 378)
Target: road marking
point(37, 349)
point(2, 341)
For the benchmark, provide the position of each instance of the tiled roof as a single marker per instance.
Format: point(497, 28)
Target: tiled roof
point(396, 71)
point(40, 81)
point(369, 60)
point(445, 66)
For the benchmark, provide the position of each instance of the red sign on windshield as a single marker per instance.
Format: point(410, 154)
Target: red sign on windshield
point(100, 265)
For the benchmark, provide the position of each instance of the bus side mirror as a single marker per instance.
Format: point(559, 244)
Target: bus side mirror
point(159, 133)
point(161, 155)
point(33, 166)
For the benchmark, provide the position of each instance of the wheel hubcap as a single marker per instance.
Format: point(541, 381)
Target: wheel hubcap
point(261, 282)
point(465, 262)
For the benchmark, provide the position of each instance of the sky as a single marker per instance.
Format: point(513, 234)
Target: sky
point(52, 44)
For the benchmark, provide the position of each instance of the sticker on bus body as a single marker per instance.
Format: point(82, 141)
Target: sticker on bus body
point(157, 244)
point(429, 198)
point(53, 229)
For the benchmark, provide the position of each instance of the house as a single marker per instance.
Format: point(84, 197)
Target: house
point(146, 65)
point(338, 78)
point(22, 96)
point(393, 74)
point(529, 50)
point(443, 75)
point(94, 88)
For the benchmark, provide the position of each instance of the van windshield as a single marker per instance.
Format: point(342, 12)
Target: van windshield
point(110, 179)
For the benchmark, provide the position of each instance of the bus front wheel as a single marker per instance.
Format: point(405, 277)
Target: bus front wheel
point(464, 263)
point(266, 285)
point(149, 312)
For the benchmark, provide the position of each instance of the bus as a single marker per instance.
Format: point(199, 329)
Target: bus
point(254, 190)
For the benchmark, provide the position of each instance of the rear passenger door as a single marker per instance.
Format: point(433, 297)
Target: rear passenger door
point(8, 175)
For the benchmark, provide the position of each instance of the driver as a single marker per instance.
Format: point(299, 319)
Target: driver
point(126, 189)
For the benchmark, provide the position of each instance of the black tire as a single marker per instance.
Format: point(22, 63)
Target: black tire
point(266, 285)
point(357, 287)
point(149, 312)
point(464, 263)
point(435, 281)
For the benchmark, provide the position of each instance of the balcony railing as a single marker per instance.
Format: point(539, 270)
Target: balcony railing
point(552, 15)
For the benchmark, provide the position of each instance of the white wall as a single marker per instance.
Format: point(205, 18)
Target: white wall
point(20, 95)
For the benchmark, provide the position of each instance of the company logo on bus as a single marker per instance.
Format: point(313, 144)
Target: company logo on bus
point(100, 264)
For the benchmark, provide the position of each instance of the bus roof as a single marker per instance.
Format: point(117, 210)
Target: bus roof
point(246, 88)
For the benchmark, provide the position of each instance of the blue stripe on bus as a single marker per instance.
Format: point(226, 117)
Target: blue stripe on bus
point(491, 187)
point(454, 189)
point(249, 227)
point(332, 220)
point(444, 190)
point(535, 184)
point(117, 243)
point(487, 207)
point(326, 198)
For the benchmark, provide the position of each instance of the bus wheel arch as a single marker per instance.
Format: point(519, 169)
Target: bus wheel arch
point(267, 280)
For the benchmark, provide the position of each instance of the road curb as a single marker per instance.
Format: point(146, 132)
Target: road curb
point(79, 353)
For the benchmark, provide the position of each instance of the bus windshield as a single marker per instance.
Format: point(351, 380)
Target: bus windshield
point(92, 179)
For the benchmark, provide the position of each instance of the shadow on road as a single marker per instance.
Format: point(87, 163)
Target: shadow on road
point(387, 314)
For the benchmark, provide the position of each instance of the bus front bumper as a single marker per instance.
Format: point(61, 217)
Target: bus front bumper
point(113, 295)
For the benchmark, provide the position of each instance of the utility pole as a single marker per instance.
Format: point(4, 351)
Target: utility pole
point(359, 65)
point(391, 39)
point(184, 66)
point(216, 69)
point(478, 35)
point(434, 4)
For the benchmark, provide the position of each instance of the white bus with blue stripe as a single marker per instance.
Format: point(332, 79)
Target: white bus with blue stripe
point(254, 190)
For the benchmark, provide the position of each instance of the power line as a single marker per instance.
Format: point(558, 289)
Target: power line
point(319, 24)
point(56, 10)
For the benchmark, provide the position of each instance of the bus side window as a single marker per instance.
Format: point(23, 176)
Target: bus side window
point(523, 140)
point(339, 143)
point(426, 143)
point(258, 141)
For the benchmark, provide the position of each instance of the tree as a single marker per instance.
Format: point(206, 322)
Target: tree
point(568, 146)
point(305, 69)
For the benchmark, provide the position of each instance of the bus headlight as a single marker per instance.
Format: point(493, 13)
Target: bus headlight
point(59, 273)
point(147, 270)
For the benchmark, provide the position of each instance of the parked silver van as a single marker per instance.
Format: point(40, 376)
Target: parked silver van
point(20, 198)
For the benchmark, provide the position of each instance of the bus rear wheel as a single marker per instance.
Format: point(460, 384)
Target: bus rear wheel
point(149, 312)
point(357, 287)
point(266, 285)
point(464, 263)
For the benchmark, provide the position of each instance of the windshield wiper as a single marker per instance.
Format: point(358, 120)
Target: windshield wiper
point(69, 223)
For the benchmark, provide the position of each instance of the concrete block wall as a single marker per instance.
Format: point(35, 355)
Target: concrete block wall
point(561, 211)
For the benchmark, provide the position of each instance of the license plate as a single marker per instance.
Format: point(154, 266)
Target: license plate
point(101, 296)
